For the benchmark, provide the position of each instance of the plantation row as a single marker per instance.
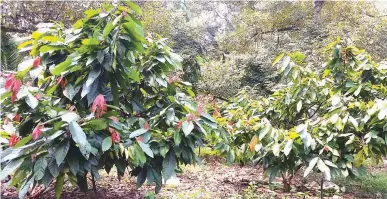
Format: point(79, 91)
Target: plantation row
point(101, 94)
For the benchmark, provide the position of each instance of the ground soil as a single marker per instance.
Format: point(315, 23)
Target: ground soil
point(213, 179)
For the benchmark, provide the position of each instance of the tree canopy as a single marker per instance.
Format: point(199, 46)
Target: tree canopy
point(101, 95)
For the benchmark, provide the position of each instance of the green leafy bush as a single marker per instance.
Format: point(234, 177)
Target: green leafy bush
point(101, 96)
point(328, 122)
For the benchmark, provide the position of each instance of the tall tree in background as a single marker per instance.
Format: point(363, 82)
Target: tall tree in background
point(23, 16)
point(10, 57)
point(318, 4)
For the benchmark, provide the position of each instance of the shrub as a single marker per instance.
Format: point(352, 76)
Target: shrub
point(329, 122)
point(100, 97)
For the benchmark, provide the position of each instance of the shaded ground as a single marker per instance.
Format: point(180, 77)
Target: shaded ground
point(211, 180)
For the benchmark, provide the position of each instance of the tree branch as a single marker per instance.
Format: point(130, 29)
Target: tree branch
point(221, 98)
point(289, 28)
point(12, 29)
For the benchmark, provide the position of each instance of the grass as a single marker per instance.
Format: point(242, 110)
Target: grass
point(372, 183)
point(207, 152)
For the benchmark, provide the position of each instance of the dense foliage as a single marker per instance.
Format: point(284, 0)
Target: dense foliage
point(328, 122)
point(10, 57)
point(100, 95)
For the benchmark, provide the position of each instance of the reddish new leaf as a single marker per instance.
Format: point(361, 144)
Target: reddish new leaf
point(99, 106)
point(37, 131)
point(13, 140)
point(36, 62)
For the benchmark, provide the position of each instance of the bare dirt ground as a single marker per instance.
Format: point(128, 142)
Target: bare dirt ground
point(213, 179)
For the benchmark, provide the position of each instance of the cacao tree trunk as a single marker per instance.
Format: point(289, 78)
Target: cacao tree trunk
point(93, 181)
point(286, 185)
point(82, 183)
point(287, 182)
point(322, 187)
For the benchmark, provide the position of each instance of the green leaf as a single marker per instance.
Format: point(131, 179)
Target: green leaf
point(177, 137)
point(91, 13)
point(70, 91)
point(335, 100)
point(137, 132)
point(169, 164)
point(87, 86)
point(321, 165)
point(24, 187)
point(51, 89)
point(23, 141)
point(277, 59)
point(170, 115)
point(356, 93)
point(32, 101)
point(164, 150)
point(262, 133)
point(107, 143)
point(80, 138)
point(77, 133)
point(273, 174)
point(58, 69)
point(285, 63)
point(22, 74)
point(324, 169)
point(299, 106)
point(311, 165)
point(276, 149)
point(135, 30)
point(91, 58)
point(69, 116)
point(187, 127)
point(385, 128)
point(334, 118)
point(116, 20)
point(24, 44)
point(54, 136)
point(359, 159)
point(73, 162)
point(141, 177)
point(162, 82)
point(287, 99)
point(114, 89)
point(134, 75)
point(354, 122)
point(135, 7)
point(53, 168)
point(39, 168)
point(50, 48)
point(176, 60)
point(139, 155)
point(47, 178)
point(10, 167)
point(59, 185)
point(106, 31)
point(288, 147)
point(154, 176)
point(61, 152)
point(329, 163)
point(208, 117)
point(70, 38)
point(146, 149)
point(90, 42)
point(230, 157)
point(97, 124)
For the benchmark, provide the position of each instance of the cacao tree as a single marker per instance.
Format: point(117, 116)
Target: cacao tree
point(328, 121)
point(95, 96)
